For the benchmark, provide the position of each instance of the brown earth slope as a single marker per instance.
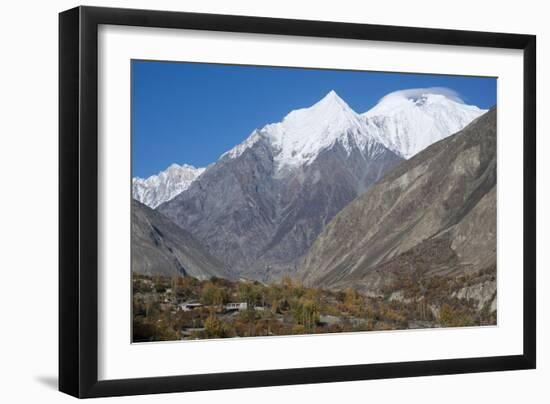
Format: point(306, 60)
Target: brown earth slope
point(434, 214)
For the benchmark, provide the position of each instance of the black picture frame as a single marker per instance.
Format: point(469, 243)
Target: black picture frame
point(78, 201)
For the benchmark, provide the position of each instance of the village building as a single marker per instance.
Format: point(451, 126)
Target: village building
point(240, 306)
point(188, 306)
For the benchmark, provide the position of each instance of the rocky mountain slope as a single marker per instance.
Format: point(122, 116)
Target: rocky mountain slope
point(261, 205)
point(156, 189)
point(434, 214)
point(159, 247)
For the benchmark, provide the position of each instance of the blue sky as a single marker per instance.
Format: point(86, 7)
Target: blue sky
point(193, 112)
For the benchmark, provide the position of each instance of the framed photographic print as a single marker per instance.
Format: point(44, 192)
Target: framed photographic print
point(251, 201)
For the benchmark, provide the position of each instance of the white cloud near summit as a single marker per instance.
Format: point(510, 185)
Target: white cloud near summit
point(418, 92)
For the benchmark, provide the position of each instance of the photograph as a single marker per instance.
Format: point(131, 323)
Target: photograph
point(270, 201)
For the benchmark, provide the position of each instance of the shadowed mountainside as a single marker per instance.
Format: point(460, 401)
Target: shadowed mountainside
point(160, 247)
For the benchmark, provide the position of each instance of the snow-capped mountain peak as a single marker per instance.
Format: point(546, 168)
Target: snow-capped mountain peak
point(331, 102)
point(162, 187)
point(329, 114)
point(408, 121)
point(305, 132)
point(405, 121)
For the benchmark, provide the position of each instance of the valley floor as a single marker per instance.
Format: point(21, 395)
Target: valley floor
point(179, 308)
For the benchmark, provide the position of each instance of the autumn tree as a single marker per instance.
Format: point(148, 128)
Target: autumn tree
point(215, 328)
point(250, 293)
point(213, 295)
point(306, 313)
point(353, 302)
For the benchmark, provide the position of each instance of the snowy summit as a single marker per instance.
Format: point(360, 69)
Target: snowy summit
point(405, 122)
point(410, 120)
point(304, 133)
point(157, 189)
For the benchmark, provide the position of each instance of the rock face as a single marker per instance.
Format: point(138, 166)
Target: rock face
point(159, 247)
point(263, 203)
point(483, 293)
point(435, 213)
point(156, 189)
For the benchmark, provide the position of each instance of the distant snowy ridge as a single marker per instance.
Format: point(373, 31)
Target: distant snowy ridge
point(157, 189)
point(405, 122)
